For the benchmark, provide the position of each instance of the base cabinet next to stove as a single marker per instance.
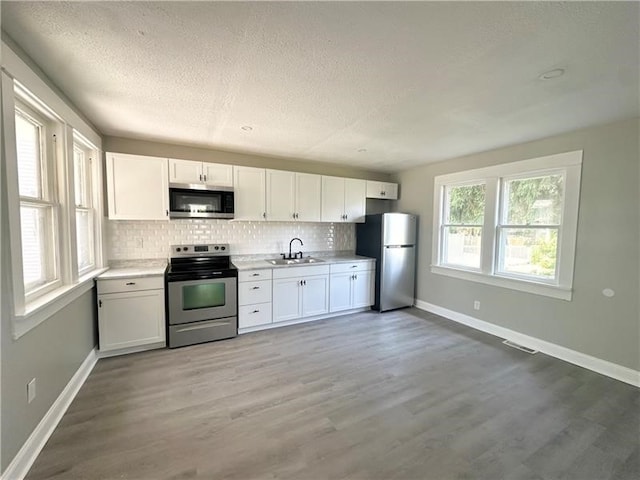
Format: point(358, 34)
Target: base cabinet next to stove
point(131, 314)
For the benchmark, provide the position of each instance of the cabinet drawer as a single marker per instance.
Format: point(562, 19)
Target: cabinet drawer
point(358, 266)
point(117, 285)
point(252, 315)
point(254, 292)
point(253, 275)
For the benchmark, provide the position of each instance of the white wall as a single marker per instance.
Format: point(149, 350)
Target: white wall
point(607, 249)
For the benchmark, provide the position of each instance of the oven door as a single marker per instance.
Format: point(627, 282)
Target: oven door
point(197, 300)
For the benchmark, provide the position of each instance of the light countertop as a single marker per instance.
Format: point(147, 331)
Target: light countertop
point(131, 272)
point(263, 264)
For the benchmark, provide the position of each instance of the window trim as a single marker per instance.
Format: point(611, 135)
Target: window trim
point(18, 81)
point(93, 197)
point(570, 163)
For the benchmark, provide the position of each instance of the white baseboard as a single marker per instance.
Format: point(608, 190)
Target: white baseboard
point(22, 462)
point(613, 370)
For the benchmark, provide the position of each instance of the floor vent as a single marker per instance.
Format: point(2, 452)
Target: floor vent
point(520, 347)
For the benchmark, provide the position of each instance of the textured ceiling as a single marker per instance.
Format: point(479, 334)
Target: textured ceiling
point(409, 82)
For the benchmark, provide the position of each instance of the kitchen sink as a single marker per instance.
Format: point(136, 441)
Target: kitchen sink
point(294, 261)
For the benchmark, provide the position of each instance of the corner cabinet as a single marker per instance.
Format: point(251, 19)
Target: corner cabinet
point(300, 292)
point(343, 199)
point(131, 315)
point(137, 187)
point(204, 173)
point(249, 193)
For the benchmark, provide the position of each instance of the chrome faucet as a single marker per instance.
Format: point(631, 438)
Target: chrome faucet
point(295, 255)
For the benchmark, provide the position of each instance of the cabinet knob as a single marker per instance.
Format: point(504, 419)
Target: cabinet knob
point(100, 303)
point(205, 177)
point(130, 283)
point(255, 274)
point(264, 214)
point(255, 288)
point(200, 177)
point(256, 311)
point(304, 282)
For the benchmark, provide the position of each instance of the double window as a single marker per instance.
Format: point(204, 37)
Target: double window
point(56, 172)
point(510, 225)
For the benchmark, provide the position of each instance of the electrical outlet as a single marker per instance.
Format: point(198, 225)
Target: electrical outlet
point(476, 305)
point(31, 390)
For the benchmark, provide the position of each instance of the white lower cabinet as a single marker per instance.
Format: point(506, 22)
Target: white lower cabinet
point(131, 313)
point(300, 292)
point(254, 298)
point(352, 285)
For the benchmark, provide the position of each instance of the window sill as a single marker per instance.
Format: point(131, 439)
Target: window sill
point(562, 293)
point(44, 307)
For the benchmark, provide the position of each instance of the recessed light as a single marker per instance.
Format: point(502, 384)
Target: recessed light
point(247, 128)
point(555, 73)
point(362, 150)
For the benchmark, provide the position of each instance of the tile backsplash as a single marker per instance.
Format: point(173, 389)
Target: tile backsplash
point(130, 240)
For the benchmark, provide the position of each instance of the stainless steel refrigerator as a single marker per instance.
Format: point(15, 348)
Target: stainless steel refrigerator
point(390, 238)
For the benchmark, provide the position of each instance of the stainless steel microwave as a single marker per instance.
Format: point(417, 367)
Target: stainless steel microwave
point(200, 201)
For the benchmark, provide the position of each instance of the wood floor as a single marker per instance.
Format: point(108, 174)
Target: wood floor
point(404, 394)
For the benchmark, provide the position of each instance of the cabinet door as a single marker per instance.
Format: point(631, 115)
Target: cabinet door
point(355, 199)
point(280, 195)
point(286, 299)
point(390, 191)
point(308, 197)
point(315, 295)
point(217, 174)
point(249, 195)
point(363, 289)
point(340, 291)
point(137, 187)
point(185, 171)
point(332, 199)
point(131, 319)
point(374, 189)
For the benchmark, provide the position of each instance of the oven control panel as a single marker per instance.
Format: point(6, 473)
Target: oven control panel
point(203, 250)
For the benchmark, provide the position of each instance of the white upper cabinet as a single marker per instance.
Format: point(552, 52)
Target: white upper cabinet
point(308, 197)
point(193, 173)
point(385, 190)
point(293, 196)
point(137, 187)
point(249, 193)
point(355, 200)
point(281, 193)
point(343, 199)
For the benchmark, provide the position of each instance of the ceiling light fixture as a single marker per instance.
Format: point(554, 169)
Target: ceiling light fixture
point(551, 74)
point(247, 128)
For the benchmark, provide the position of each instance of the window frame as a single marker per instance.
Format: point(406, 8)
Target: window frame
point(20, 84)
point(443, 244)
point(90, 152)
point(48, 199)
point(567, 163)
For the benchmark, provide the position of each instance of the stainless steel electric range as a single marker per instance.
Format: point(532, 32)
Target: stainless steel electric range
point(201, 295)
